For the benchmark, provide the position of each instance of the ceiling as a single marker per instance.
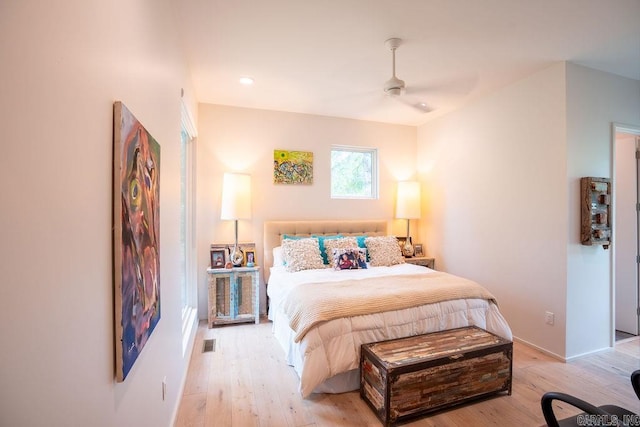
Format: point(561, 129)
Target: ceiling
point(329, 58)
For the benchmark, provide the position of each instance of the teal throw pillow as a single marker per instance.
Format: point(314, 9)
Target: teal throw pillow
point(321, 240)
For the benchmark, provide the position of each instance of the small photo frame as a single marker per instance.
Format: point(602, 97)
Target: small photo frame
point(218, 257)
point(250, 258)
point(419, 250)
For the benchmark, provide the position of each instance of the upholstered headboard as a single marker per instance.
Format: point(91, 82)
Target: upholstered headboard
point(273, 231)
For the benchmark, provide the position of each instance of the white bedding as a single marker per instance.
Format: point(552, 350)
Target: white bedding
point(327, 357)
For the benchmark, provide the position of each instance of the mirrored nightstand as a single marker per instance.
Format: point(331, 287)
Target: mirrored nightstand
point(423, 261)
point(233, 295)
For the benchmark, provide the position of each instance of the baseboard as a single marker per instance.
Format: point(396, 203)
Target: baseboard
point(557, 356)
point(578, 356)
point(190, 328)
point(540, 349)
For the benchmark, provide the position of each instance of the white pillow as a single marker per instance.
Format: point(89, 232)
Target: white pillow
point(302, 254)
point(383, 251)
point(278, 259)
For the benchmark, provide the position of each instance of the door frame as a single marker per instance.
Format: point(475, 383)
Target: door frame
point(633, 130)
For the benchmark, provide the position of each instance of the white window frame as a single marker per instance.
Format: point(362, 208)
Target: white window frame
point(374, 170)
point(189, 290)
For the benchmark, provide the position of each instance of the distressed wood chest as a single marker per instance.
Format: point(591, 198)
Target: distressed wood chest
point(408, 377)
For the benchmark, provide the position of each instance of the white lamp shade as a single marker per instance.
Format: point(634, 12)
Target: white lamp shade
point(408, 200)
point(236, 196)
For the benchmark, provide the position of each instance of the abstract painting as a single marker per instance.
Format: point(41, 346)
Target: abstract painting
point(292, 167)
point(136, 205)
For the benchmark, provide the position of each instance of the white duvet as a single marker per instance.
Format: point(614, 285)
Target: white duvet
point(327, 358)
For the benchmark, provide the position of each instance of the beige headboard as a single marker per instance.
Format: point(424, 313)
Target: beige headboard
point(273, 231)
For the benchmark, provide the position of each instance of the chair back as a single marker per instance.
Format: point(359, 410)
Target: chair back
point(635, 382)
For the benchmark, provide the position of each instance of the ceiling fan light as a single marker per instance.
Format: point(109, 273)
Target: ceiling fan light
point(393, 91)
point(424, 107)
point(394, 86)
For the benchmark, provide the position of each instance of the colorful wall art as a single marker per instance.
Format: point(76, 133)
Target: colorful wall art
point(136, 204)
point(292, 167)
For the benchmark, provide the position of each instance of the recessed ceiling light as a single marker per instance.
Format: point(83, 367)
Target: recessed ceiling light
point(247, 81)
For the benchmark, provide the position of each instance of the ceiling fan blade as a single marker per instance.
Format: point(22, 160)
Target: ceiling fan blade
point(452, 87)
point(421, 107)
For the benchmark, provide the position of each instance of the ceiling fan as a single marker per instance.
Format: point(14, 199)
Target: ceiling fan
point(395, 87)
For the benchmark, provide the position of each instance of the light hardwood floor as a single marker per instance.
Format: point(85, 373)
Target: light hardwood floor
point(246, 382)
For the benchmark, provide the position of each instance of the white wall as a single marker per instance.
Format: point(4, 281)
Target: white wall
point(495, 203)
point(594, 101)
point(63, 66)
point(501, 179)
point(242, 140)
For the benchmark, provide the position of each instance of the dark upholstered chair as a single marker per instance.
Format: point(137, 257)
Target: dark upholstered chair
point(592, 415)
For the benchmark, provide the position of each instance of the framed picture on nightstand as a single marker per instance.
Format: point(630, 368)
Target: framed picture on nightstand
point(218, 258)
point(249, 258)
point(218, 255)
point(418, 249)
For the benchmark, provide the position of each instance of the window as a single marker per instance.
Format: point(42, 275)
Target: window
point(187, 227)
point(354, 173)
point(185, 143)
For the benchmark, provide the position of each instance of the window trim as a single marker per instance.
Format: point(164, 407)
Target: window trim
point(189, 305)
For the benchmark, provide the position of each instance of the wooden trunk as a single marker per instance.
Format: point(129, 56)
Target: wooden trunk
point(407, 377)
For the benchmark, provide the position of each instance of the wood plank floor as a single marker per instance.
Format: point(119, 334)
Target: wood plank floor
point(246, 382)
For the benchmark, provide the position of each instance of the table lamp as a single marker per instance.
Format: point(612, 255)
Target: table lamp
point(408, 207)
point(236, 204)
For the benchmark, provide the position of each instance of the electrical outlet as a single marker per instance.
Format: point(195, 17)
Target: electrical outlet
point(164, 388)
point(549, 318)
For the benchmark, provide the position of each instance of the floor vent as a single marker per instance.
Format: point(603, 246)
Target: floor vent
point(209, 346)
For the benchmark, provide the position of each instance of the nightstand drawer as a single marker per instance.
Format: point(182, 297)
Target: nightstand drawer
point(423, 261)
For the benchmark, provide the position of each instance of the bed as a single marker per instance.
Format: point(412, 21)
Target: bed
point(324, 349)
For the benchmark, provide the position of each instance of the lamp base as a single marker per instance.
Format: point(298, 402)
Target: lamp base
point(236, 256)
point(407, 249)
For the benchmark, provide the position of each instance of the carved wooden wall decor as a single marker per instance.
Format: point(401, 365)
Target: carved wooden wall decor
point(595, 211)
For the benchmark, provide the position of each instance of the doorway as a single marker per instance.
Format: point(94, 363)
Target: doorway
point(626, 231)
